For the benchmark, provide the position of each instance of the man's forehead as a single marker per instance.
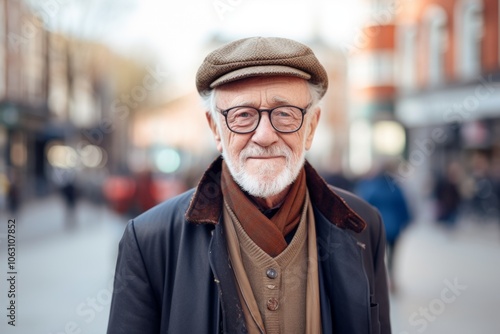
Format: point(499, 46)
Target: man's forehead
point(276, 90)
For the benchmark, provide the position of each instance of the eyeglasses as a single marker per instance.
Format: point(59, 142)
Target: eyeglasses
point(245, 119)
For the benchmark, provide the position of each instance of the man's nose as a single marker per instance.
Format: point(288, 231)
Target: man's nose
point(265, 135)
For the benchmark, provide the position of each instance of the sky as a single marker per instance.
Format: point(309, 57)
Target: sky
point(177, 29)
point(175, 32)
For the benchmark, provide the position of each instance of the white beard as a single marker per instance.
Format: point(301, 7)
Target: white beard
point(264, 184)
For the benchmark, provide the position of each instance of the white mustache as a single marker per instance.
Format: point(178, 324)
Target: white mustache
point(257, 151)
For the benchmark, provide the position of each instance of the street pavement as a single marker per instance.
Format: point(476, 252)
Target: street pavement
point(64, 274)
point(447, 281)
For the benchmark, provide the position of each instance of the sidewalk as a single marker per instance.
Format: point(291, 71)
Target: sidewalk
point(64, 276)
point(448, 280)
point(47, 216)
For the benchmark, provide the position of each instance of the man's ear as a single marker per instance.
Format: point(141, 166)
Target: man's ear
point(312, 125)
point(212, 123)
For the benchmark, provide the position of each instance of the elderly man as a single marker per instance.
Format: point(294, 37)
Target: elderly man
point(263, 244)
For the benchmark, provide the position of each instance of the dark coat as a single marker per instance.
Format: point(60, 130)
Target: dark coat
point(173, 273)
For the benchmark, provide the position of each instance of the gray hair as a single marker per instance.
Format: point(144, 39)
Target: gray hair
point(209, 100)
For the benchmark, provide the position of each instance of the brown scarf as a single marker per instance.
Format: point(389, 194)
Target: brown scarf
point(268, 234)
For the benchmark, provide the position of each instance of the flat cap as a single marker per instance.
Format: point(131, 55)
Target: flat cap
point(260, 56)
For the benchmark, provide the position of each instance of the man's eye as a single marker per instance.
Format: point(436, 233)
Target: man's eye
point(283, 114)
point(243, 114)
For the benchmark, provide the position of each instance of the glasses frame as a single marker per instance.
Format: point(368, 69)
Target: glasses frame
point(260, 111)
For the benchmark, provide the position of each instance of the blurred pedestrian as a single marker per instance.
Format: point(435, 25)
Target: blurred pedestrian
point(483, 201)
point(447, 194)
point(495, 175)
point(13, 192)
point(262, 244)
point(381, 190)
point(69, 193)
point(4, 190)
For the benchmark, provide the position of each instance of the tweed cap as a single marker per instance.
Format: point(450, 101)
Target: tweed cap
point(260, 56)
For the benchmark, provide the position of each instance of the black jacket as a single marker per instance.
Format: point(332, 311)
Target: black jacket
point(173, 273)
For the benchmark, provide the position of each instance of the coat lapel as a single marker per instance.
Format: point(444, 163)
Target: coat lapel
point(233, 320)
point(342, 279)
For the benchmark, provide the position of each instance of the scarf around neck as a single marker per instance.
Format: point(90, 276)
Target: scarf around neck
point(268, 233)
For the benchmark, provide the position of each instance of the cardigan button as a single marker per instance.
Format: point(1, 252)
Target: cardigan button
point(272, 304)
point(271, 273)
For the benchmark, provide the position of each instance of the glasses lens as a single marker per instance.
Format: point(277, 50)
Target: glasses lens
point(242, 119)
point(286, 119)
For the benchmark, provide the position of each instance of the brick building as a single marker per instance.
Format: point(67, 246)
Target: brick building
point(373, 81)
point(62, 93)
point(442, 59)
point(449, 94)
point(23, 90)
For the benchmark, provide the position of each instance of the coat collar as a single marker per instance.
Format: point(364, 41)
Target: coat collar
point(206, 204)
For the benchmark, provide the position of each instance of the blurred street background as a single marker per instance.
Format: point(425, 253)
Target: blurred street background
point(100, 120)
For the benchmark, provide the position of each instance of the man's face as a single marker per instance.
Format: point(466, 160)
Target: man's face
point(264, 162)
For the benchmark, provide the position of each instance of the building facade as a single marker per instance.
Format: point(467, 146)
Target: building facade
point(23, 91)
point(449, 95)
point(441, 62)
point(375, 131)
point(65, 104)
